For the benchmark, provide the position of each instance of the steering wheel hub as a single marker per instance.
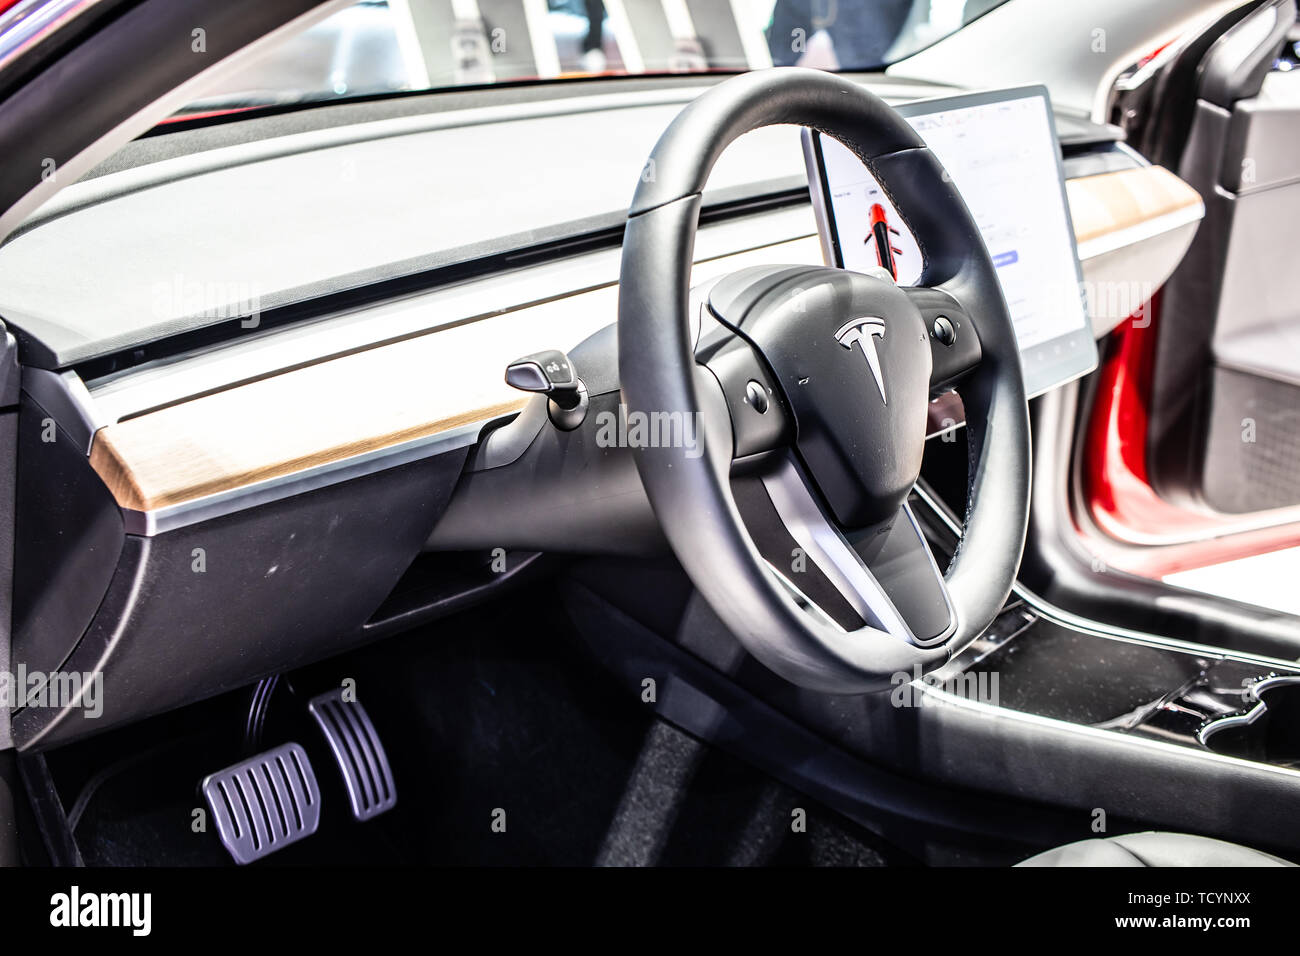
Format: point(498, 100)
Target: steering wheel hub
point(851, 354)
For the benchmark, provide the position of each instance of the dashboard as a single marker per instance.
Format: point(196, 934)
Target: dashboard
point(347, 413)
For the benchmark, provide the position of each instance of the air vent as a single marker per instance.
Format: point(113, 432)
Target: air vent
point(360, 755)
point(264, 803)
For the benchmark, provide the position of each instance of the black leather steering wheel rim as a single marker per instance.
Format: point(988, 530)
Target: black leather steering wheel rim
point(658, 373)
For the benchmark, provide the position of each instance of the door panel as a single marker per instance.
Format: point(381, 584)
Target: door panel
point(1225, 431)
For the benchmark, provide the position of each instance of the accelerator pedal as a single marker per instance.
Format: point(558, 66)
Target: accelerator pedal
point(351, 735)
point(264, 803)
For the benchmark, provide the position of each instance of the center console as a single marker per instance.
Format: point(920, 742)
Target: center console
point(1208, 701)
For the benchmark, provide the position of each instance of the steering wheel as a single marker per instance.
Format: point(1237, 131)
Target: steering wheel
point(797, 400)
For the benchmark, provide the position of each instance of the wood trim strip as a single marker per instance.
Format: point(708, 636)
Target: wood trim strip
point(1112, 202)
point(192, 471)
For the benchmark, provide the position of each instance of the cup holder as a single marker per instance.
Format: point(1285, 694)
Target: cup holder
point(1267, 730)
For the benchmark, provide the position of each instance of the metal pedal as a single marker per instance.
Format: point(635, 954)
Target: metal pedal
point(264, 803)
point(361, 757)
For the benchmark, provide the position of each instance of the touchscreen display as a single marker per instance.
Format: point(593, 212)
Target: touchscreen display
point(1002, 154)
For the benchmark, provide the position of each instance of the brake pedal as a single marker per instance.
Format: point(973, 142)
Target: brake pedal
point(360, 756)
point(264, 803)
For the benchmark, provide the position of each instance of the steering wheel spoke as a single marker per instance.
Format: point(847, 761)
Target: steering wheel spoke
point(883, 577)
point(760, 419)
point(954, 345)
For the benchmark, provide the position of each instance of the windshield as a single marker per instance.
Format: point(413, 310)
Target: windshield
point(374, 48)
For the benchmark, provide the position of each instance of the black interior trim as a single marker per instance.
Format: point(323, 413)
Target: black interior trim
point(47, 811)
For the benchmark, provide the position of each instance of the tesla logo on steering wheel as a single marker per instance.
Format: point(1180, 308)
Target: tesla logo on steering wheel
point(863, 333)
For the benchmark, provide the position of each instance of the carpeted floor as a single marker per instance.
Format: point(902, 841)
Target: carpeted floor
point(486, 716)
